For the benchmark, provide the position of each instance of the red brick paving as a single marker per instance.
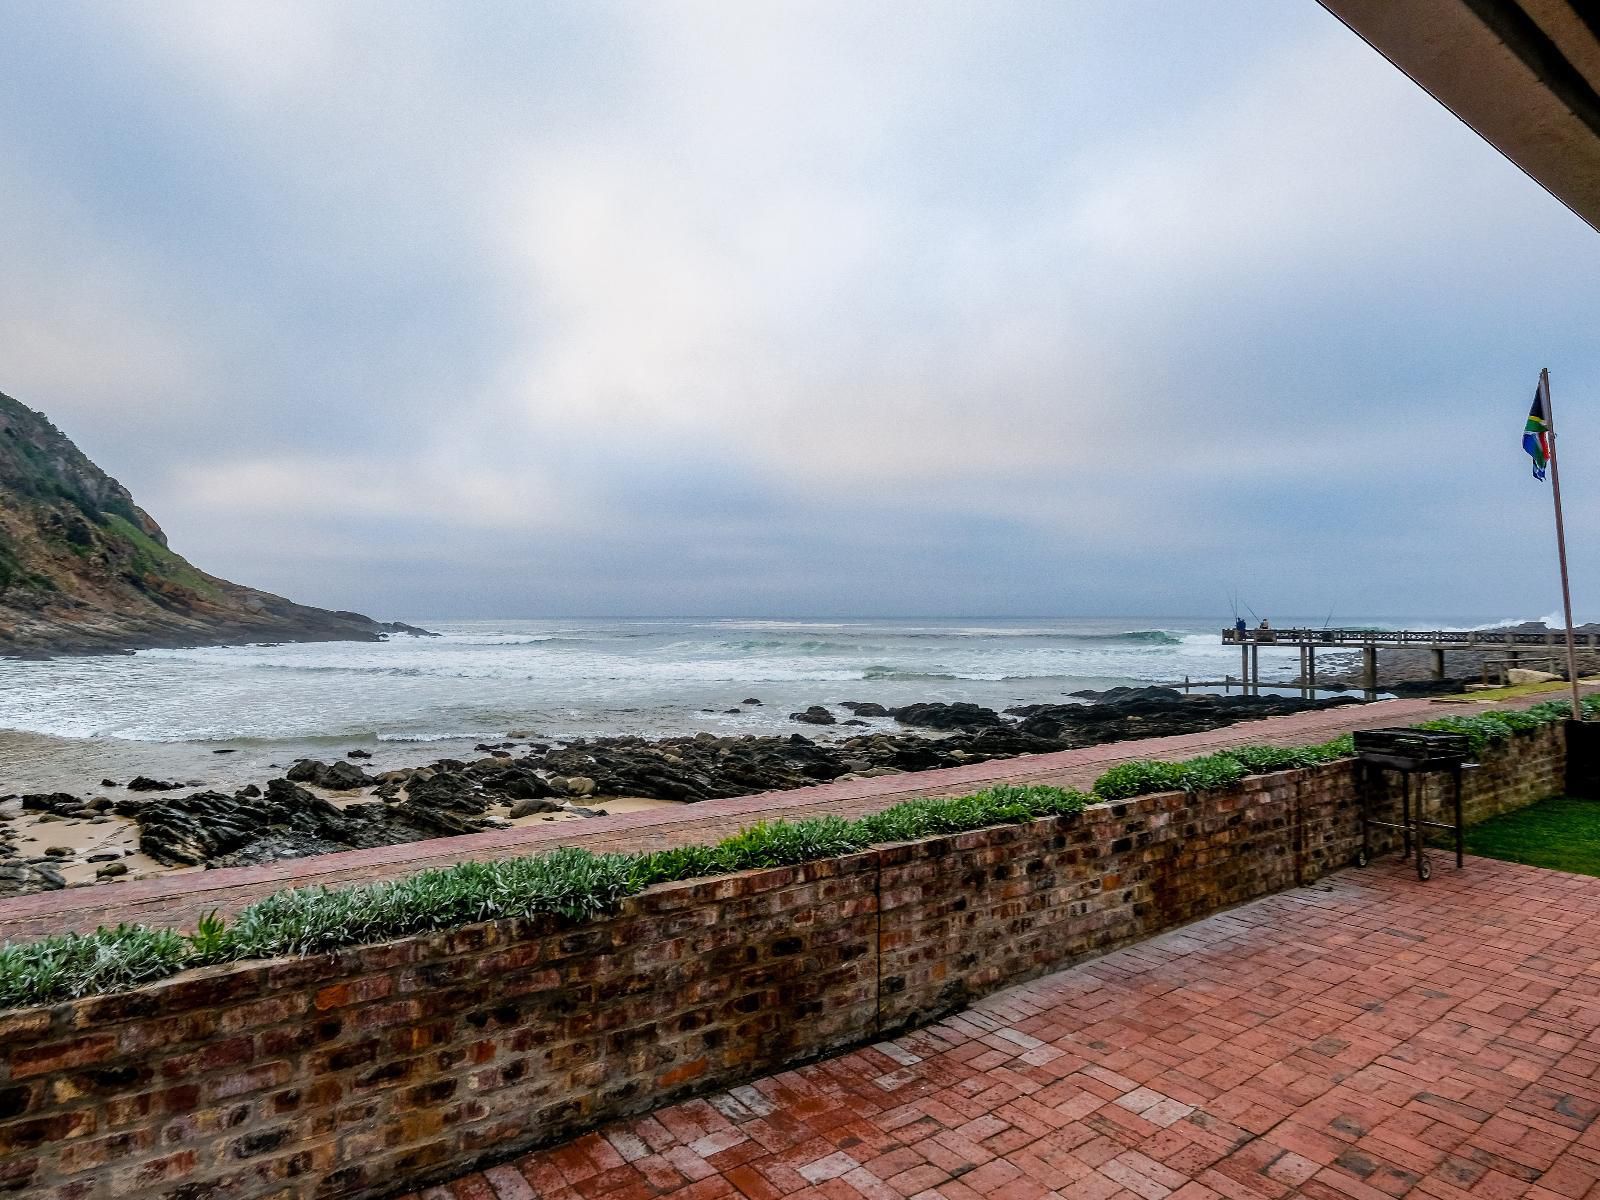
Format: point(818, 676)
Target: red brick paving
point(1365, 1038)
point(180, 900)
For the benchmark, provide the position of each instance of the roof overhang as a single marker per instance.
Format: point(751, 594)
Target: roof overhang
point(1525, 74)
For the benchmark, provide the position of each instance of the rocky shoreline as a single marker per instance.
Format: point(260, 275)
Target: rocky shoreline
point(146, 826)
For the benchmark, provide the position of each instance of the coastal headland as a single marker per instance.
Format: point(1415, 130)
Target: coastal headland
point(85, 570)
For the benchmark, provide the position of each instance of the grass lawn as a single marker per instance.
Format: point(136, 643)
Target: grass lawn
point(1560, 833)
point(1518, 690)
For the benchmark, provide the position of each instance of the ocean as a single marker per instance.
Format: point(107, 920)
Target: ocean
point(171, 711)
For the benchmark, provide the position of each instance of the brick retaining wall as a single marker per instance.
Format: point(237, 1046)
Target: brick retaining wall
point(964, 915)
point(366, 1072)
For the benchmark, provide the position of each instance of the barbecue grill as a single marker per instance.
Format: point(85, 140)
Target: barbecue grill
point(1410, 752)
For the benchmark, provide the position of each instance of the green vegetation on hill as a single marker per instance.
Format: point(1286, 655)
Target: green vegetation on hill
point(14, 573)
point(149, 559)
point(72, 503)
point(52, 498)
point(38, 462)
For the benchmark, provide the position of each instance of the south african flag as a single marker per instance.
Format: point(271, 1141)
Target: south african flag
point(1536, 435)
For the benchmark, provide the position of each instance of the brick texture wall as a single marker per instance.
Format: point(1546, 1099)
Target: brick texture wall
point(369, 1071)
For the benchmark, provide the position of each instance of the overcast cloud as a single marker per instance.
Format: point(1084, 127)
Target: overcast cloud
point(887, 308)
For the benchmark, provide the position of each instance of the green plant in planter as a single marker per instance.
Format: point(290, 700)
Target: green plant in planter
point(209, 941)
point(1131, 779)
point(107, 960)
point(1003, 805)
point(569, 882)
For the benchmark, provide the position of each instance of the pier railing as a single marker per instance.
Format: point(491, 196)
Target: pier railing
point(1454, 639)
point(1370, 641)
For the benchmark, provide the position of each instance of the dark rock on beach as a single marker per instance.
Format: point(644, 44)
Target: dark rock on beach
point(1130, 695)
point(18, 878)
point(190, 830)
point(446, 792)
point(865, 709)
point(19, 874)
point(1151, 712)
point(815, 715)
point(948, 716)
point(143, 783)
point(529, 808)
point(286, 822)
point(507, 781)
point(63, 804)
point(1427, 687)
point(338, 776)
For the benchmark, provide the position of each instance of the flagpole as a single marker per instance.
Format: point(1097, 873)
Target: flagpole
point(1561, 546)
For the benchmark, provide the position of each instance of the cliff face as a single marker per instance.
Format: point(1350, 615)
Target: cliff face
point(84, 569)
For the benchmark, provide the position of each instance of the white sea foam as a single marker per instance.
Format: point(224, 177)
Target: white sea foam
point(563, 678)
point(1553, 620)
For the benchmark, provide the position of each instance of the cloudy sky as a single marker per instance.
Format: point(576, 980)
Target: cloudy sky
point(1104, 307)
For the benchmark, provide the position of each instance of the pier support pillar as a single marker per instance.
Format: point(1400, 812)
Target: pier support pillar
point(1255, 667)
point(1244, 666)
point(1438, 662)
point(1311, 667)
point(1369, 668)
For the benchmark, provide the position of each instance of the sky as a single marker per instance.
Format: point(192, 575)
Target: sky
point(794, 309)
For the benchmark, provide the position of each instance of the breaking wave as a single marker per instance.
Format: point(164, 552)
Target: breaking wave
point(480, 679)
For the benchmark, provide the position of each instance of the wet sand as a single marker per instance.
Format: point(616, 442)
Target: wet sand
point(37, 833)
point(38, 762)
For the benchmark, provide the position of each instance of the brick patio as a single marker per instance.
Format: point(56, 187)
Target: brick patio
point(1366, 1037)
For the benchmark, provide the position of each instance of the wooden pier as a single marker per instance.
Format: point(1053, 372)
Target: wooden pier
point(1370, 641)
